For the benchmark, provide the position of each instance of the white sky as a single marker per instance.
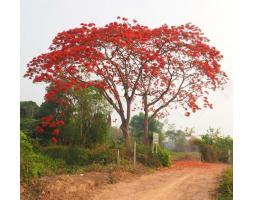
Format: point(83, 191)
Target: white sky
point(41, 20)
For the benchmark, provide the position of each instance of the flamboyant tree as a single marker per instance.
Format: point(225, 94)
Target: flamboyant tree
point(181, 74)
point(110, 58)
point(123, 59)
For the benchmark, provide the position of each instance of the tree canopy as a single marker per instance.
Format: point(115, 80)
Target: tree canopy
point(164, 67)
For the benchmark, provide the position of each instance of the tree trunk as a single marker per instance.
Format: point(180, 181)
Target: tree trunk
point(124, 128)
point(146, 122)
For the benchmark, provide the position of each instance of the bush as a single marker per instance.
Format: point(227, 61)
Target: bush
point(80, 156)
point(146, 157)
point(26, 153)
point(208, 153)
point(56, 151)
point(215, 147)
point(77, 156)
point(164, 156)
point(33, 163)
point(226, 186)
point(102, 155)
point(27, 125)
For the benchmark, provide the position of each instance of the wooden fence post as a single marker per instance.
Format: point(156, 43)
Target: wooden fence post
point(135, 153)
point(118, 157)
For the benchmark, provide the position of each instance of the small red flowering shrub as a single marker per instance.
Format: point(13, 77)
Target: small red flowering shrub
point(52, 125)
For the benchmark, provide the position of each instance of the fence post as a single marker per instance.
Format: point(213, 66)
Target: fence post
point(135, 153)
point(118, 157)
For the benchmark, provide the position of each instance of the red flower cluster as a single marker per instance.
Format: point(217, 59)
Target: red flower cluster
point(54, 140)
point(50, 122)
point(39, 129)
point(55, 132)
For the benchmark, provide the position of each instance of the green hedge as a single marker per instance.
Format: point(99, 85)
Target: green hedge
point(104, 155)
point(81, 156)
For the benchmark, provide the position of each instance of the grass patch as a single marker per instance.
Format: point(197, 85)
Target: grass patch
point(225, 190)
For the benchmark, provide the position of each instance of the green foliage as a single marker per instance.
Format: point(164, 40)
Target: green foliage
point(137, 126)
point(116, 138)
point(27, 167)
point(164, 156)
point(226, 186)
point(28, 109)
point(146, 157)
point(47, 108)
point(27, 125)
point(75, 155)
point(32, 163)
point(103, 155)
point(86, 118)
point(99, 130)
point(208, 153)
point(215, 147)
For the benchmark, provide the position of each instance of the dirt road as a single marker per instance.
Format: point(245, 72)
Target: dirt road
point(185, 181)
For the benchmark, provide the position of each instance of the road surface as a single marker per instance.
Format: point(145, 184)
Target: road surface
point(182, 182)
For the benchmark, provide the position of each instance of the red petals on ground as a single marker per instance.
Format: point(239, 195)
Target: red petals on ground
point(190, 163)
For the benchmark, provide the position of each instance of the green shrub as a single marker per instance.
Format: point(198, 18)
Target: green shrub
point(215, 147)
point(208, 153)
point(164, 156)
point(226, 186)
point(27, 125)
point(102, 155)
point(55, 151)
point(146, 157)
point(77, 156)
point(26, 155)
point(80, 156)
point(32, 162)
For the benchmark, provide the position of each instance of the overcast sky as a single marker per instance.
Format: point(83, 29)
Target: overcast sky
point(41, 20)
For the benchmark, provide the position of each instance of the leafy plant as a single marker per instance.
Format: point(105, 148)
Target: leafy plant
point(164, 156)
point(146, 157)
point(215, 147)
point(33, 163)
point(226, 186)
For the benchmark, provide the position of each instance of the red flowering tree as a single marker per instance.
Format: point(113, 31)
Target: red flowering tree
point(110, 58)
point(123, 59)
point(181, 70)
